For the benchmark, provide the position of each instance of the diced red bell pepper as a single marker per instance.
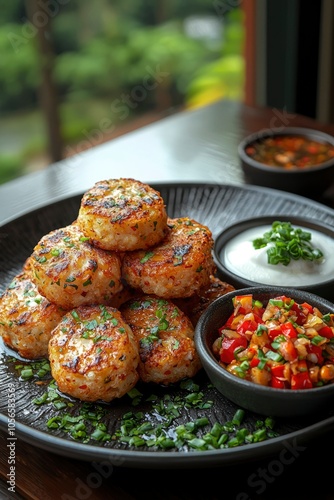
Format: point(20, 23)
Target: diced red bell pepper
point(277, 383)
point(289, 330)
point(247, 325)
point(317, 350)
point(229, 345)
point(326, 331)
point(301, 316)
point(277, 377)
point(301, 380)
point(228, 322)
point(273, 332)
point(307, 306)
point(254, 362)
point(277, 370)
point(258, 313)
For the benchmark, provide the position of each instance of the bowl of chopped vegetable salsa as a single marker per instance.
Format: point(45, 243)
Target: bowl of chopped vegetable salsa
point(295, 159)
point(279, 250)
point(270, 350)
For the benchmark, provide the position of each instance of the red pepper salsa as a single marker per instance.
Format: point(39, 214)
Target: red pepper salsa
point(285, 344)
point(290, 152)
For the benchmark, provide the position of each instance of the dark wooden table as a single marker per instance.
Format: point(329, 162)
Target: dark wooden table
point(190, 146)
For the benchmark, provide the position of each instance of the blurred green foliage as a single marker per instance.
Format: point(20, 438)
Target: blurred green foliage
point(136, 57)
point(18, 70)
point(112, 53)
point(224, 77)
point(10, 167)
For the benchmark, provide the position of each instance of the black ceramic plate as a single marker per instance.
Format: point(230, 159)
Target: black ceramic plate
point(216, 206)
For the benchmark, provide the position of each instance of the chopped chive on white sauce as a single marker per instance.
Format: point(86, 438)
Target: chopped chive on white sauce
point(241, 258)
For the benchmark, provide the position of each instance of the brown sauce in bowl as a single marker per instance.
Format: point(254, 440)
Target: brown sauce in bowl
point(290, 151)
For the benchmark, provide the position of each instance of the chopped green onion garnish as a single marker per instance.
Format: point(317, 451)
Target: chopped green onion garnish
point(317, 340)
point(287, 243)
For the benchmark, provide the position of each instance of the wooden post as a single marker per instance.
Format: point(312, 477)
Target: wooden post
point(48, 96)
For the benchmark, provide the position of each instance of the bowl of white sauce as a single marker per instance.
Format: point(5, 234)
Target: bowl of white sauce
point(277, 250)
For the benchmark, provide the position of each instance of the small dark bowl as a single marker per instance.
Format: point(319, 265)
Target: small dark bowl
point(269, 401)
point(308, 181)
point(324, 288)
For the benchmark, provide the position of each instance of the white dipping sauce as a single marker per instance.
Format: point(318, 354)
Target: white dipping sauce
point(240, 257)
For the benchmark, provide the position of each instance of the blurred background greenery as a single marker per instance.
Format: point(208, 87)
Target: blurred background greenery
point(75, 73)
